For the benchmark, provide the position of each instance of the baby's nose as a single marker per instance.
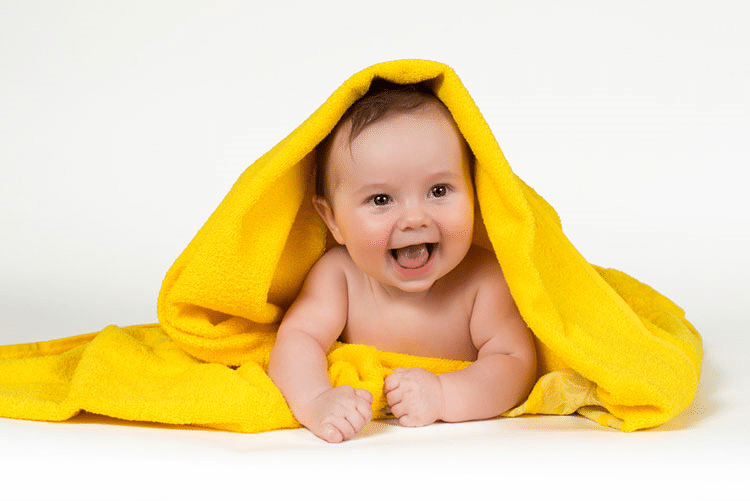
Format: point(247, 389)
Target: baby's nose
point(414, 216)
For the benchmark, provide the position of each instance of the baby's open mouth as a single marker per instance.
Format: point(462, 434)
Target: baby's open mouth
point(413, 256)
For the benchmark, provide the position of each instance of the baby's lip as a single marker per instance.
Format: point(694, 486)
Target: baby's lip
point(430, 245)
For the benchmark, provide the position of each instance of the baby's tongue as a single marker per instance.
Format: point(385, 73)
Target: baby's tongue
point(414, 256)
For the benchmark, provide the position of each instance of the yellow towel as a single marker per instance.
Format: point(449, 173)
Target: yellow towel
point(609, 347)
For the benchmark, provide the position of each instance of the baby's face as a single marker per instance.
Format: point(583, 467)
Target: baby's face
point(401, 198)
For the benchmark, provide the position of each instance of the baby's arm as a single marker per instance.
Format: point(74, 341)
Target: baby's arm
point(498, 380)
point(298, 359)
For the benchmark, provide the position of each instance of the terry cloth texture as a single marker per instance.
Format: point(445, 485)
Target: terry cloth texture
point(609, 347)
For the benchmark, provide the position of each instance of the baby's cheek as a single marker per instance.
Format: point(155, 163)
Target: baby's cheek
point(460, 214)
point(374, 239)
point(459, 230)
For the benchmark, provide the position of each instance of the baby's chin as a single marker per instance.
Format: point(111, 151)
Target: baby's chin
point(414, 288)
point(410, 286)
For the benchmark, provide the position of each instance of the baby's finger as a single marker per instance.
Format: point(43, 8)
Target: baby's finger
point(357, 421)
point(364, 395)
point(398, 410)
point(365, 410)
point(409, 421)
point(394, 378)
point(343, 426)
point(394, 397)
point(331, 434)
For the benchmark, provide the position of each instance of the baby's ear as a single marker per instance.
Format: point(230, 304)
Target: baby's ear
point(326, 213)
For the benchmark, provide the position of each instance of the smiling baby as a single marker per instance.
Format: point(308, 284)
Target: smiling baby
point(395, 189)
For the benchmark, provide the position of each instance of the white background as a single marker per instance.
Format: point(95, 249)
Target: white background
point(124, 123)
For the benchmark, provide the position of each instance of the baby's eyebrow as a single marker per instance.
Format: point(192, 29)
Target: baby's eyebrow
point(372, 187)
point(447, 174)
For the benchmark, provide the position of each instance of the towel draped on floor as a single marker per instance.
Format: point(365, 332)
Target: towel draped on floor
point(609, 347)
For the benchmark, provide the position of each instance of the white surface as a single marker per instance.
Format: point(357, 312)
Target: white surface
point(123, 125)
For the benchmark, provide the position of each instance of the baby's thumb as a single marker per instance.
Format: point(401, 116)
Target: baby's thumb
point(331, 434)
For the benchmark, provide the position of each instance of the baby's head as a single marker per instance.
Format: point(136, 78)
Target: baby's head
point(382, 100)
point(394, 186)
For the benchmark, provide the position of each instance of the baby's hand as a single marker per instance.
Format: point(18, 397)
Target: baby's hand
point(339, 413)
point(415, 396)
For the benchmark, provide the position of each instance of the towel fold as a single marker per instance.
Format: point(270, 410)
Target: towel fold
point(609, 347)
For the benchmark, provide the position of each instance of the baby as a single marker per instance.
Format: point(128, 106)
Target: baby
point(395, 190)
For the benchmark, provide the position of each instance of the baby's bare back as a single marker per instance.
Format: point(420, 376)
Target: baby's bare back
point(435, 323)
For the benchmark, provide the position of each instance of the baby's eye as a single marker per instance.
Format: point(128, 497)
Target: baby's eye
point(439, 190)
point(380, 199)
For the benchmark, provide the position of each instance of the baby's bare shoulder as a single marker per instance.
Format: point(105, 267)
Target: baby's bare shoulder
point(335, 256)
point(334, 260)
point(485, 279)
point(479, 274)
point(328, 271)
point(334, 267)
point(319, 310)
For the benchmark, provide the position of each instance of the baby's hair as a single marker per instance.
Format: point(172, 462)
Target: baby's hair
point(383, 99)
